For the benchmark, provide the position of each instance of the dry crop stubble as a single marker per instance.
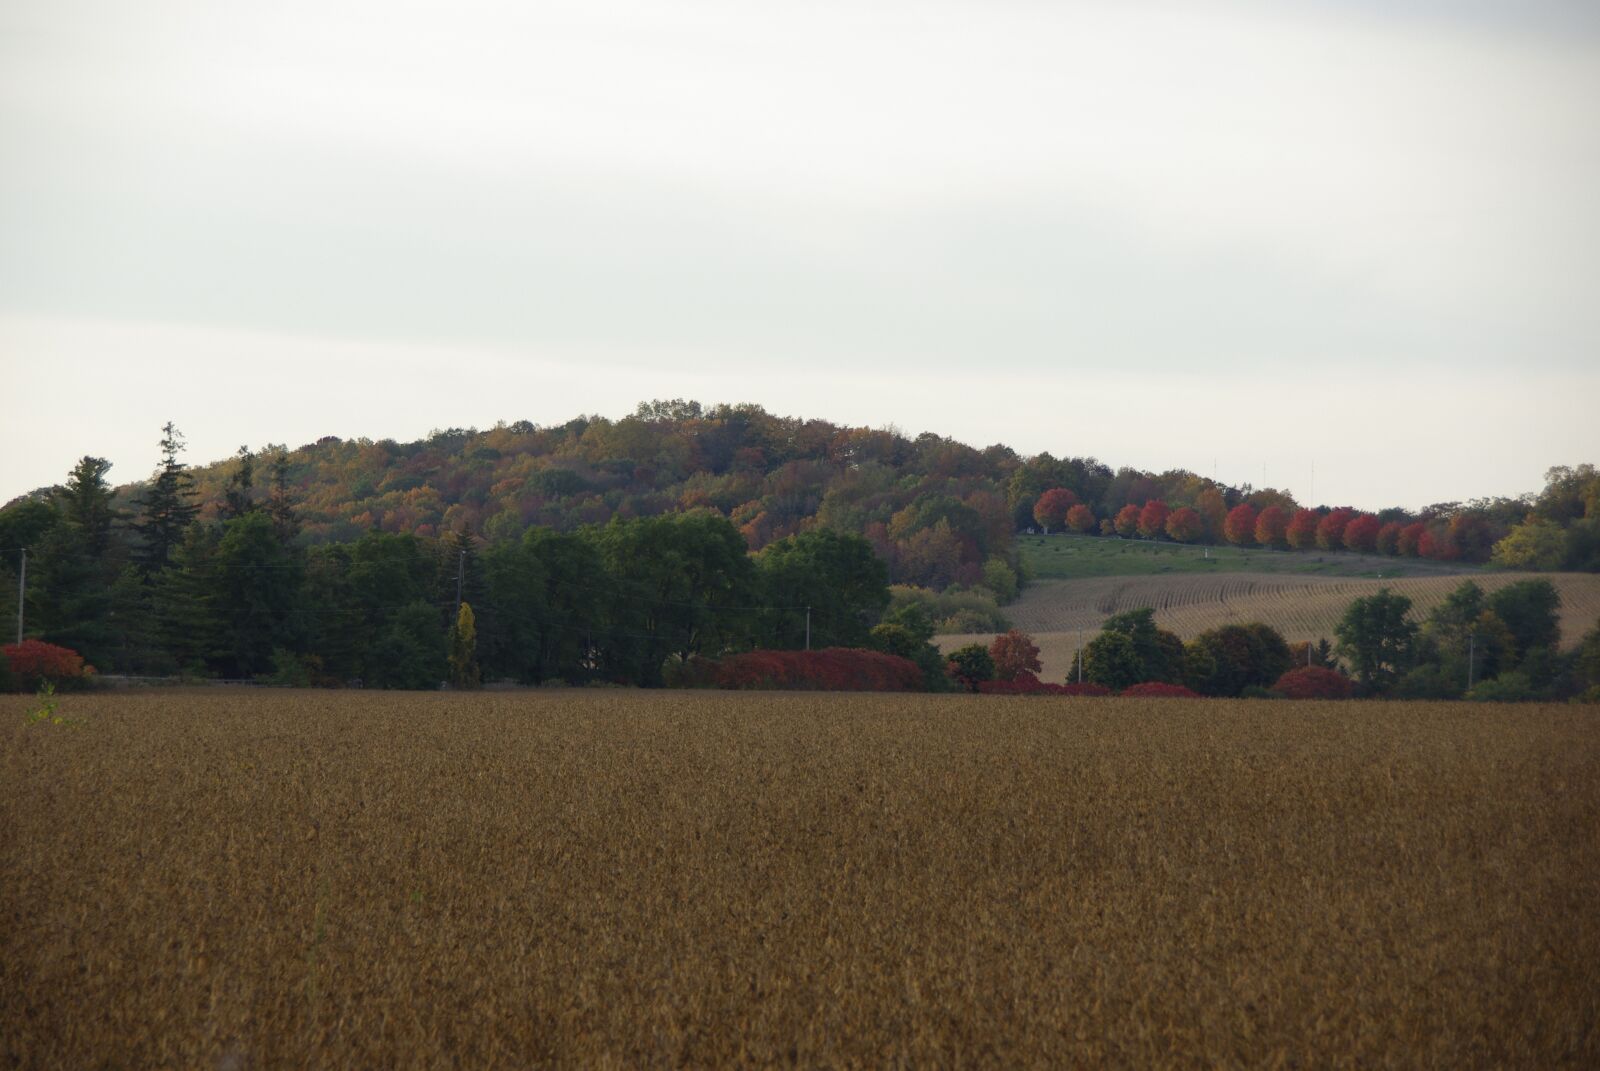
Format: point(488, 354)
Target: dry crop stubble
point(621, 878)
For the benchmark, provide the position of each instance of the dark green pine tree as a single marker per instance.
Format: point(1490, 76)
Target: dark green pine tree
point(73, 566)
point(168, 505)
point(458, 556)
point(85, 504)
point(280, 507)
point(236, 497)
point(185, 616)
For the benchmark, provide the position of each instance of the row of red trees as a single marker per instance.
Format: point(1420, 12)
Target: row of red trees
point(1464, 536)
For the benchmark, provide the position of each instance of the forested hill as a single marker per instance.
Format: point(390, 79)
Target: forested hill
point(938, 512)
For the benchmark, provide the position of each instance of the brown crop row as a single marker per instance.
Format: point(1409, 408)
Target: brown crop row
point(619, 879)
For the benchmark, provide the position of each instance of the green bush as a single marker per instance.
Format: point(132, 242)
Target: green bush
point(1511, 687)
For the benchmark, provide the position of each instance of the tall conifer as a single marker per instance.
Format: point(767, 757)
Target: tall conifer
point(168, 505)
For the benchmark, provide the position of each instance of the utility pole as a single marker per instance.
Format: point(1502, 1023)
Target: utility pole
point(1472, 650)
point(808, 628)
point(22, 591)
point(461, 572)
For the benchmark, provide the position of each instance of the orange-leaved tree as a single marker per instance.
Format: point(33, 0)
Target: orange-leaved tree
point(1272, 527)
point(1240, 527)
point(1330, 530)
point(1127, 521)
point(1080, 518)
point(1014, 654)
point(1051, 509)
point(1185, 525)
point(1302, 531)
point(1153, 519)
point(1409, 542)
point(1361, 534)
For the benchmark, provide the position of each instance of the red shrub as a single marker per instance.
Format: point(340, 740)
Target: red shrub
point(1159, 690)
point(33, 661)
point(1313, 682)
point(836, 669)
point(1028, 684)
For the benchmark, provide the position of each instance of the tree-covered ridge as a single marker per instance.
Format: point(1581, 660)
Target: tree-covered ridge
point(939, 512)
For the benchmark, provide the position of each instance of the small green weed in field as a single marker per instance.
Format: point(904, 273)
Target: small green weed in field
point(46, 711)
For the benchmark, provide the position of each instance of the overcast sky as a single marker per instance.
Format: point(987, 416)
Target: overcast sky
point(1241, 237)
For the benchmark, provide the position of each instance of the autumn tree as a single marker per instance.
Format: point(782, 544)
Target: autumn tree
point(463, 656)
point(1408, 542)
point(1184, 525)
point(1361, 534)
point(1387, 541)
point(1051, 508)
point(1301, 533)
point(1240, 527)
point(1535, 544)
point(1080, 519)
point(1213, 510)
point(1272, 527)
point(1330, 529)
point(1127, 521)
point(1014, 653)
point(1153, 519)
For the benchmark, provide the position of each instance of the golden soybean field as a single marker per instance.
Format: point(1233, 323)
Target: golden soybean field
point(225, 879)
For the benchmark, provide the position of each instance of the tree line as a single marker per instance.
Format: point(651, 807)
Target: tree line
point(1558, 529)
point(169, 587)
point(1500, 646)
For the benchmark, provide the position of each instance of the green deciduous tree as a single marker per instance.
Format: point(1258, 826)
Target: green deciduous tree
point(1225, 661)
point(1376, 639)
point(1531, 610)
point(838, 576)
point(1110, 659)
point(971, 666)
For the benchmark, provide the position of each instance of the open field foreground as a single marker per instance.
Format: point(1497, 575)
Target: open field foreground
point(605, 878)
point(1060, 613)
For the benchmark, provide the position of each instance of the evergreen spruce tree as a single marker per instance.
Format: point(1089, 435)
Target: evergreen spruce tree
point(182, 604)
point(168, 505)
point(85, 504)
point(279, 505)
point(236, 497)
